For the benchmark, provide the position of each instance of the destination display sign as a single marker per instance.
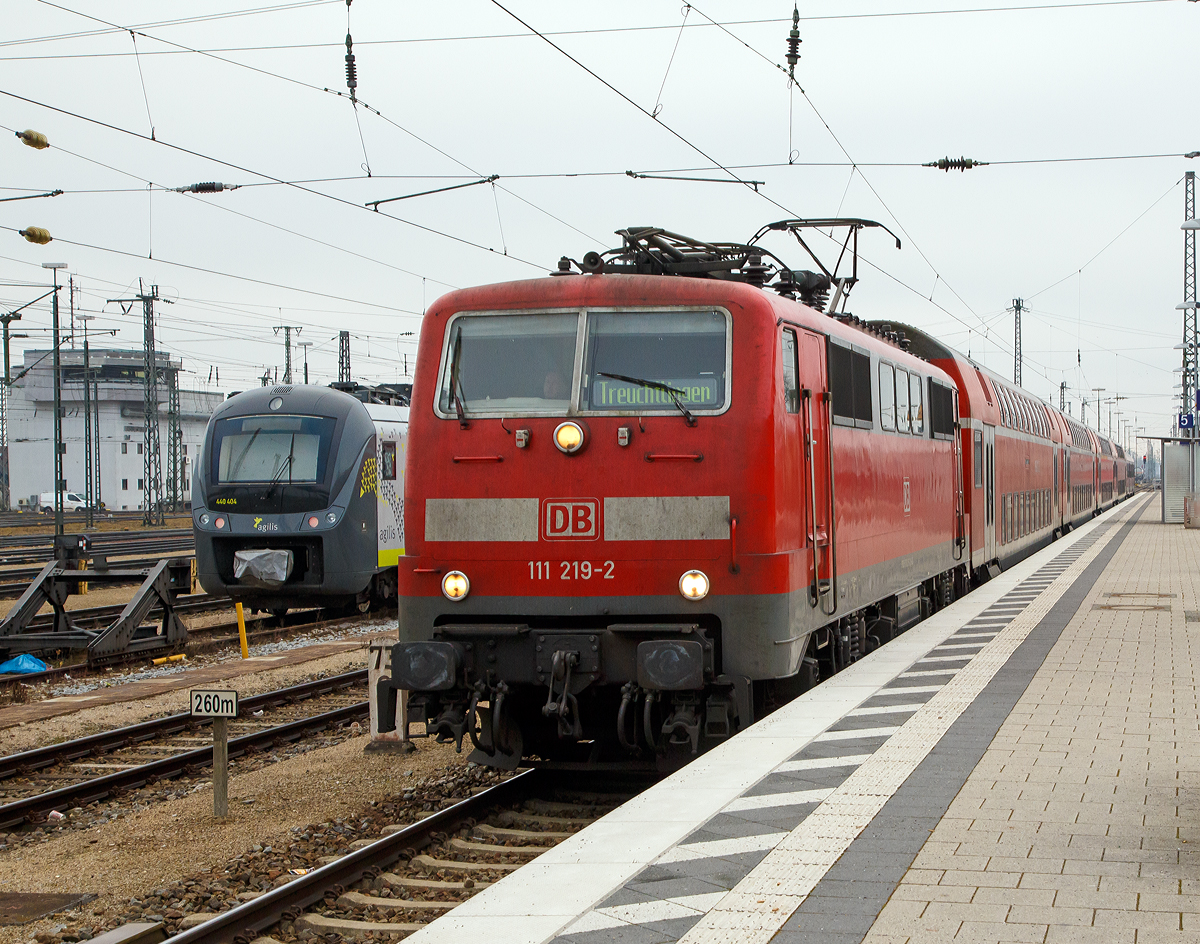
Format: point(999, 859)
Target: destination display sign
point(609, 394)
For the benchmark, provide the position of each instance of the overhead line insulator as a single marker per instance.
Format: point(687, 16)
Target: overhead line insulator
point(34, 139)
point(207, 186)
point(793, 44)
point(35, 234)
point(955, 163)
point(351, 69)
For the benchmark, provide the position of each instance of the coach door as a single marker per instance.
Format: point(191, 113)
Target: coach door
point(989, 490)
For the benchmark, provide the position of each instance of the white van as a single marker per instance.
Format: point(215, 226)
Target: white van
point(71, 501)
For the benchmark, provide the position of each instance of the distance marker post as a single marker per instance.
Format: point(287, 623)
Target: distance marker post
point(220, 705)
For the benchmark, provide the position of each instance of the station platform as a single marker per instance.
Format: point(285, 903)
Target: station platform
point(1022, 766)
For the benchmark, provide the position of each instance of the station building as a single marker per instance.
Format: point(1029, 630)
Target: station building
point(118, 374)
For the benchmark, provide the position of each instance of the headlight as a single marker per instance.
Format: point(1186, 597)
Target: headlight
point(331, 518)
point(204, 518)
point(455, 585)
point(693, 585)
point(568, 437)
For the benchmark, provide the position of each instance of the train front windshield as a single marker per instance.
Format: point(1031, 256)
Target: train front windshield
point(283, 449)
point(640, 361)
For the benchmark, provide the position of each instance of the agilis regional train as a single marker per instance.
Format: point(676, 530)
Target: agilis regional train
point(649, 501)
point(298, 500)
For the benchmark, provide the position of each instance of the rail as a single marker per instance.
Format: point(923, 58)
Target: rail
point(291, 899)
point(31, 808)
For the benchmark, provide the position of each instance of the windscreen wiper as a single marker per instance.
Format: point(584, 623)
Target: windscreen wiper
point(656, 385)
point(285, 466)
point(237, 466)
point(454, 382)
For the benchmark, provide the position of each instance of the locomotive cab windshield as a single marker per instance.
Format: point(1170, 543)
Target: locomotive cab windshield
point(270, 449)
point(632, 362)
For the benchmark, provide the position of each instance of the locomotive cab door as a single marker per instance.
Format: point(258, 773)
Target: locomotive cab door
point(812, 405)
point(989, 492)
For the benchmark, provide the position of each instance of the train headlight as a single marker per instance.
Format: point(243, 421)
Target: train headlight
point(331, 518)
point(568, 437)
point(205, 518)
point(455, 585)
point(693, 585)
point(313, 521)
point(219, 523)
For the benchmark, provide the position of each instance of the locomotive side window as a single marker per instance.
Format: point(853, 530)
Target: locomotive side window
point(850, 384)
point(791, 392)
point(510, 362)
point(902, 420)
point(651, 360)
point(388, 460)
point(915, 407)
point(887, 396)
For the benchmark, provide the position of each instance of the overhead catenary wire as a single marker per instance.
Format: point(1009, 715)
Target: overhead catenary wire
point(256, 173)
point(1107, 245)
point(245, 216)
point(326, 90)
point(227, 275)
point(718, 165)
point(889, 14)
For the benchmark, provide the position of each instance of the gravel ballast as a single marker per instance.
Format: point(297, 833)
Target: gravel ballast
point(145, 851)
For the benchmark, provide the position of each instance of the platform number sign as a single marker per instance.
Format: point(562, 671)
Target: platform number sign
point(214, 703)
point(1187, 420)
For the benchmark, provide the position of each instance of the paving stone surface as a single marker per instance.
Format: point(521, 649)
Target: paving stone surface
point(1081, 821)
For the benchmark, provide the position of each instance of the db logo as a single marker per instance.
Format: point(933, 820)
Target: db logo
point(570, 519)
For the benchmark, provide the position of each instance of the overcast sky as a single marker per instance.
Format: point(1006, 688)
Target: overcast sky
point(464, 90)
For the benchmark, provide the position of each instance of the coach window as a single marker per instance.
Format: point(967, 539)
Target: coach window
point(941, 410)
point(1005, 413)
point(902, 421)
point(791, 392)
point(915, 407)
point(388, 455)
point(887, 396)
point(979, 458)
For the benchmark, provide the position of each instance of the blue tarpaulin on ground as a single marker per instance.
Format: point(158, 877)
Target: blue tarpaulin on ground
point(23, 665)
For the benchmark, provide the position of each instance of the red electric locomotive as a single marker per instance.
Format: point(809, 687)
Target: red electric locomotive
point(651, 500)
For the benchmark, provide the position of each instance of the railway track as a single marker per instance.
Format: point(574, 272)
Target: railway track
point(175, 736)
point(259, 627)
point(416, 873)
point(39, 548)
point(13, 582)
